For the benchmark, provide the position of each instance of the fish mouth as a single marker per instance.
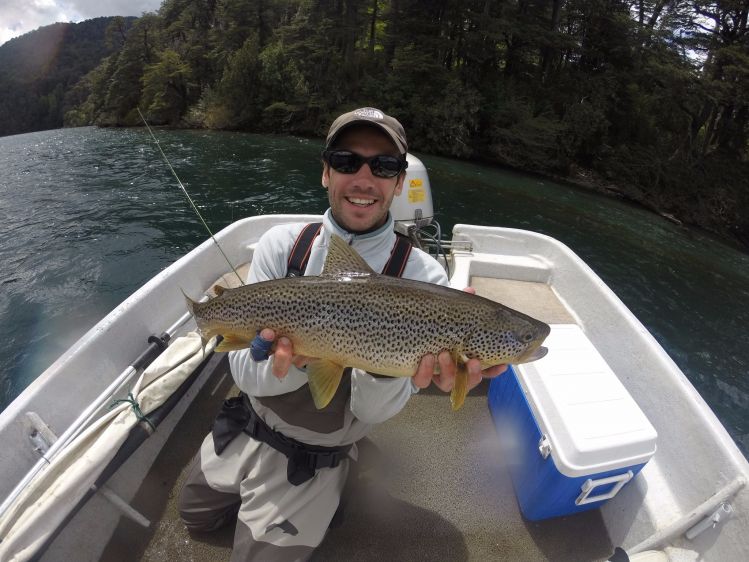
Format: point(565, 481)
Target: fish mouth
point(360, 201)
point(533, 354)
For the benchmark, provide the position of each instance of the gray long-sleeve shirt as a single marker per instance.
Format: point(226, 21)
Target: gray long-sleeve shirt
point(373, 399)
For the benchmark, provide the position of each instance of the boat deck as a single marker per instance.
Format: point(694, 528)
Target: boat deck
point(436, 489)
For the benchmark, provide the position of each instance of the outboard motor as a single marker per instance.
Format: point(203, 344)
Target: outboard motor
point(413, 211)
point(414, 204)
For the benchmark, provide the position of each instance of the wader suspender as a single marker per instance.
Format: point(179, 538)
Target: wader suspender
point(396, 265)
point(237, 414)
point(299, 256)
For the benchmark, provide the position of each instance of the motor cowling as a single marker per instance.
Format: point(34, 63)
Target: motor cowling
point(414, 204)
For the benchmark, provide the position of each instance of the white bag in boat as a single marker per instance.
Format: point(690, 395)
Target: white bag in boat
point(55, 491)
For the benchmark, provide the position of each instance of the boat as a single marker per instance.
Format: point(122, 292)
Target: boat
point(439, 488)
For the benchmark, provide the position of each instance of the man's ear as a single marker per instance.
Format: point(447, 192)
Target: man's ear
point(325, 175)
point(399, 184)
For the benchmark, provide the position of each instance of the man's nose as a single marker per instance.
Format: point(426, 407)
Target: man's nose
point(365, 172)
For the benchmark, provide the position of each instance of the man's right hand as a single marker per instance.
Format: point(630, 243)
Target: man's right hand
point(283, 354)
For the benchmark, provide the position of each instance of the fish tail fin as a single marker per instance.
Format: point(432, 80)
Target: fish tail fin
point(191, 307)
point(324, 379)
point(460, 388)
point(190, 303)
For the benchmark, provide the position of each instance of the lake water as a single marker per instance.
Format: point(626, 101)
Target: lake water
point(88, 215)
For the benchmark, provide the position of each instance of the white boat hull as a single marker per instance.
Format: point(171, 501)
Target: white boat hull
point(695, 460)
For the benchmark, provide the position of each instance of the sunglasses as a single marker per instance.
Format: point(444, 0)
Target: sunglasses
point(381, 165)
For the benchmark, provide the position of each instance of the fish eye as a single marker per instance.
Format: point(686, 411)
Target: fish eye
point(527, 337)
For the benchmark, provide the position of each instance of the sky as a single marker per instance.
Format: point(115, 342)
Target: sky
point(21, 16)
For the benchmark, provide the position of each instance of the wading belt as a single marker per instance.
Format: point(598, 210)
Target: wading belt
point(237, 415)
point(300, 252)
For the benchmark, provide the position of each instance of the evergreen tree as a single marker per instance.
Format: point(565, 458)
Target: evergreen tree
point(165, 85)
point(649, 97)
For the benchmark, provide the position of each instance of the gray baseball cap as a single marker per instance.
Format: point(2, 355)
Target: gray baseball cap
point(371, 116)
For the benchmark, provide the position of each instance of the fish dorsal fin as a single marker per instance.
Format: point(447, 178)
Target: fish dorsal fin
point(343, 259)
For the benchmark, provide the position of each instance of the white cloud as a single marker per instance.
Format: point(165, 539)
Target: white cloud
point(21, 16)
point(96, 8)
point(18, 17)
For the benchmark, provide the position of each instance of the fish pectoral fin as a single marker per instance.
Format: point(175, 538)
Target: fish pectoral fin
point(233, 342)
point(460, 388)
point(324, 378)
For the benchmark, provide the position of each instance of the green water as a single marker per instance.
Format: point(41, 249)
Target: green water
point(88, 215)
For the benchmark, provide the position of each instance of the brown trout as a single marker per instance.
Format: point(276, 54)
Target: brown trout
point(351, 316)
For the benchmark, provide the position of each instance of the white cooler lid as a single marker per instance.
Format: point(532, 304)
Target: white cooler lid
point(592, 422)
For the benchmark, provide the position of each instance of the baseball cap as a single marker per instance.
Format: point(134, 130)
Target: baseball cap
point(372, 116)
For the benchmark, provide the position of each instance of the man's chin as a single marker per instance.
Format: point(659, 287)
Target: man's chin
point(359, 224)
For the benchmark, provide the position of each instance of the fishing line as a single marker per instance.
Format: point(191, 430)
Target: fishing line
point(192, 203)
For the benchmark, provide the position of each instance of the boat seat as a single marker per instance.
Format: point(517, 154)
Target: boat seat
point(529, 297)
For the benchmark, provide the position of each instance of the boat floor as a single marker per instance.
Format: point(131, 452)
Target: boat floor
point(435, 488)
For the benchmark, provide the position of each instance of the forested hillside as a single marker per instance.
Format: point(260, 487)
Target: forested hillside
point(39, 69)
point(646, 98)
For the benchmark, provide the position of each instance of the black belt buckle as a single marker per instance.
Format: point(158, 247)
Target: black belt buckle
point(300, 468)
point(332, 459)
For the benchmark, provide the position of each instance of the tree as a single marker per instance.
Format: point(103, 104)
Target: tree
point(124, 84)
point(647, 95)
point(240, 89)
point(726, 74)
point(165, 85)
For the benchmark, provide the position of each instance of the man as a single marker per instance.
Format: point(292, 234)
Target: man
point(281, 480)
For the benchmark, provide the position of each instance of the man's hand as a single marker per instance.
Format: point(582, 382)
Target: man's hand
point(283, 354)
point(445, 380)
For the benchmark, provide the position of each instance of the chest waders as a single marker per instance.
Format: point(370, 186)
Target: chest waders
point(237, 415)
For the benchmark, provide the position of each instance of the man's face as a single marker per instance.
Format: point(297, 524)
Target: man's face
point(360, 201)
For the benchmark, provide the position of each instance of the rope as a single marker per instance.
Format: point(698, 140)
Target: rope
point(136, 408)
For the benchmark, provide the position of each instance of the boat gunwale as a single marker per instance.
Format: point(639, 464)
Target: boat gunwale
point(549, 261)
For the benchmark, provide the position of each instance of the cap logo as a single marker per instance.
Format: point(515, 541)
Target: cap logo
point(369, 113)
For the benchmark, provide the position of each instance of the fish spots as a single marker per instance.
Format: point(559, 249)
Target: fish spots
point(373, 322)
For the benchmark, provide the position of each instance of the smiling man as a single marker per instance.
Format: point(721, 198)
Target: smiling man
point(274, 462)
point(359, 196)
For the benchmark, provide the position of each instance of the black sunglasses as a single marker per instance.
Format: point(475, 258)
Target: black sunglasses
point(381, 165)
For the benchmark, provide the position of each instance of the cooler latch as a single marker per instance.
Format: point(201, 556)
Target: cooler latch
point(589, 485)
point(544, 446)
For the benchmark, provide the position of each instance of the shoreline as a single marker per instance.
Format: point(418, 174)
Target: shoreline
point(584, 179)
point(589, 180)
point(613, 190)
point(581, 178)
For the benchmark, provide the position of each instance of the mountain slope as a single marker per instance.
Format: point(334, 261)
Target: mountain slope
point(38, 68)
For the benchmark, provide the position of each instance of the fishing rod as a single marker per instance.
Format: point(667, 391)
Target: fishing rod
point(189, 199)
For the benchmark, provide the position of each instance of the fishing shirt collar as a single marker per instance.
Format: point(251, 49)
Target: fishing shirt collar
point(369, 244)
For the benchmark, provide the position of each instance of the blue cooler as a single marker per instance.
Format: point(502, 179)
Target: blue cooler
point(571, 434)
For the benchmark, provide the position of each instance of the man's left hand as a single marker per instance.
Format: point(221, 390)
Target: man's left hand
point(445, 380)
